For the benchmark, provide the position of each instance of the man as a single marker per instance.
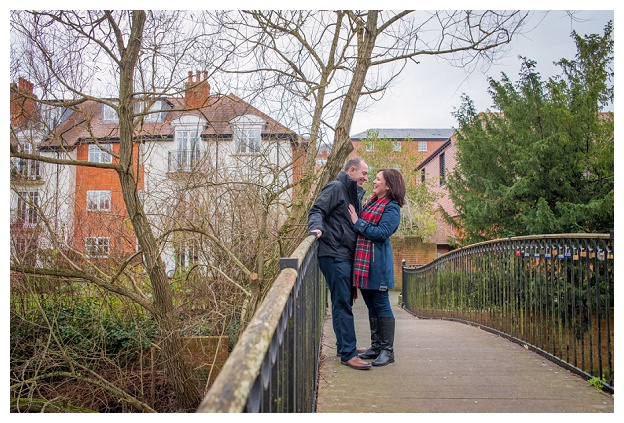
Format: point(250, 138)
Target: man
point(329, 218)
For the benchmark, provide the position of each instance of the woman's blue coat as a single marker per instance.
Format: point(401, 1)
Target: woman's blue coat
point(381, 271)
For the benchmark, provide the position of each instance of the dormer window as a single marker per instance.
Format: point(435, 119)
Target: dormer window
point(156, 112)
point(247, 133)
point(187, 154)
point(109, 115)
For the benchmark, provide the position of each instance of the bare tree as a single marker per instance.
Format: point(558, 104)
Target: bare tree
point(71, 55)
point(330, 60)
point(221, 220)
point(311, 67)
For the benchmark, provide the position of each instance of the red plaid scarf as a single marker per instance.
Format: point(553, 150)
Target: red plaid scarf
point(371, 213)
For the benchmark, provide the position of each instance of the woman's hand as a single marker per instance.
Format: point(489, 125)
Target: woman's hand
point(353, 213)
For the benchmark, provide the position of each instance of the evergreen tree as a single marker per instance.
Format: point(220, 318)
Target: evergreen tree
point(543, 163)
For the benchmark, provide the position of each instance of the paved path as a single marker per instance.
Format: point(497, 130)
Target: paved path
point(449, 367)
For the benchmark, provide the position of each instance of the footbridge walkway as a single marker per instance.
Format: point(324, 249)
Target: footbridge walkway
point(518, 325)
point(442, 366)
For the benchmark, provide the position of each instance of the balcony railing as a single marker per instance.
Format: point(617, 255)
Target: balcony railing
point(25, 169)
point(553, 294)
point(184, 160)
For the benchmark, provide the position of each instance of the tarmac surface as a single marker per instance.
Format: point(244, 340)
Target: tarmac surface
point(449, 367)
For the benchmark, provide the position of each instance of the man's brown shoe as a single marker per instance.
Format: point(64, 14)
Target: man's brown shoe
point(358, 350)
point(357, 363)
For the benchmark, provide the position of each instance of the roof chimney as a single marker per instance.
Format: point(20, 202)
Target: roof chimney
point(197, 92)
point(23, 104)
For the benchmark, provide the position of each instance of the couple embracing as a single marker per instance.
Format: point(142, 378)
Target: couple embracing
point(354, 252)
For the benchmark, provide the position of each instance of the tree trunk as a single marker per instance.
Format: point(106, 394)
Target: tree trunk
point(177, 372)
point(367, 35)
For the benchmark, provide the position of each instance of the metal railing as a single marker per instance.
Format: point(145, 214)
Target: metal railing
point(554, 294)
point(25, 169)
point(274, 365)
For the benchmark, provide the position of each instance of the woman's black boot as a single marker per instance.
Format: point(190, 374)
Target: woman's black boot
point(374, 349)
point(386, 339)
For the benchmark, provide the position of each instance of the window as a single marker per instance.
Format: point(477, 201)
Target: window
point(422, 145)
point(98, 200)
point(422, 175)
point(397, 167)
point(27, 207)
point(187, 152)
point(370, 146)
point(100, 153)
point(109, 115)
point(188, 253)
point(26, 168)
point(321, 162)
point(396, 145)
point(247, 133)
point(155, 112)
point(247, 139)
point(442, 170)
point(97, 246)
point(52, 115)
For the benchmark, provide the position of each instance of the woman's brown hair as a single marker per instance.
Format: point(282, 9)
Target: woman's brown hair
point(396, 185)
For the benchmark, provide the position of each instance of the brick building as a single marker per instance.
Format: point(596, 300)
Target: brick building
point(176, 139)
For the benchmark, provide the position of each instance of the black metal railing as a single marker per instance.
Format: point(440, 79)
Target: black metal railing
point(25, 169)
point(553, 294)
point(274, 365)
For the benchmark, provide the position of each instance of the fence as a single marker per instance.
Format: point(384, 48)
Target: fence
point(274, 366)
point(552, 293)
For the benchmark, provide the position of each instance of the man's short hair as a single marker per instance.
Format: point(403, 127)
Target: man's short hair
point(355, 162)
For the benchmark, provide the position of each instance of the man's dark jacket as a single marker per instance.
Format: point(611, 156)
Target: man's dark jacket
point(330, 214)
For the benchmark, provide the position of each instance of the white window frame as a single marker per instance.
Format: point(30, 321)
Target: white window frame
point(99, 153)
point(187, 253)
point(247, 130)
point(28, 208)
point(97, 246)
point(247, 140)
point(422, 146)
point(109, 115)
point(187, 148)
point(186, 153)
point(370, 146)
point(98, 200)
point(27, 168)
point(321, 162)
point(396, 145)
point(154, 114)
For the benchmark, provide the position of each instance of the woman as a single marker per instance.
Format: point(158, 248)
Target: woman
point(373, 267)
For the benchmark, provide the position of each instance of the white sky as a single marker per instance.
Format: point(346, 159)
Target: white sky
point(427, 94)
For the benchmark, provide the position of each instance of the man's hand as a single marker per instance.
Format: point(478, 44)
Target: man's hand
point(318, 232)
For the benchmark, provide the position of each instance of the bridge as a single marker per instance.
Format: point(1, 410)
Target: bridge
point(514, 325)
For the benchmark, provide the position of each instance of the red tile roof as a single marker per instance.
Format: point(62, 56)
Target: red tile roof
point(86, 123)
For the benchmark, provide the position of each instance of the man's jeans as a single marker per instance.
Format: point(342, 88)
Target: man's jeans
point(337, 274)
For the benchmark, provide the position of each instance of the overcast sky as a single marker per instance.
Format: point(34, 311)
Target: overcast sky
point(428, 93)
